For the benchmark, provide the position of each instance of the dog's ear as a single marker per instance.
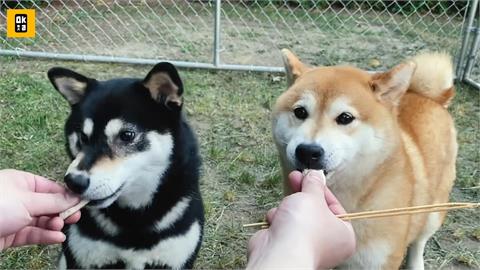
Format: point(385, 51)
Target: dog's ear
point(391, 85)
point(70, 84)
point(164, 84)
point(293, 66)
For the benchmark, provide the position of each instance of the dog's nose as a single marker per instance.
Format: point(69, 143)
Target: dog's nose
point(76, 182)
point(310, 155)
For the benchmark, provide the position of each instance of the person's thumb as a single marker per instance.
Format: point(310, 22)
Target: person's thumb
point(314, 183)
point(40, 204)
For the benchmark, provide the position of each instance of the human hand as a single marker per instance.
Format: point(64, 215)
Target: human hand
point(304, 231)
point(29, 207)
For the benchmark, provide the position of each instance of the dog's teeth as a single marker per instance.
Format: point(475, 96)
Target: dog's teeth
point(65, 214)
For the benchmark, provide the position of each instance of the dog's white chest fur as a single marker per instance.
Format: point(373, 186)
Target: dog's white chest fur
point(172, 251)
point(372, 256)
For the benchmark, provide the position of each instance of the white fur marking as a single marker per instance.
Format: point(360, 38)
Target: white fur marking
point(307, 100)
point(341, 104)
point(372, 256)
point(416, 249)
point(433, 75)
point(88, 127)
point(62, 263)
point(90, 253)
point(113, 127)
point(72, 168)
point(173, 215)
point(173, 251)
point(147, 167)
point(139, 173)
point(176, 250)
point(72, 143)
point(342, 148)
point(104, 222)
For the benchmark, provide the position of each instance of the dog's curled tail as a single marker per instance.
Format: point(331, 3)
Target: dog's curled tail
point(433, 77)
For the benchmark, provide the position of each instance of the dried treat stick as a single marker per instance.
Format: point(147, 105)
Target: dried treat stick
point(306, 171)
point(65, 214)
point(394, 212)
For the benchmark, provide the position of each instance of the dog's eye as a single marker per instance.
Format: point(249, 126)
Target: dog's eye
point(127, 136)
point(83, 138)
point(300, 113)
point(344, 118)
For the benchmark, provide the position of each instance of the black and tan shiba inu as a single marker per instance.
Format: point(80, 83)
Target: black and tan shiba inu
point(136, 159)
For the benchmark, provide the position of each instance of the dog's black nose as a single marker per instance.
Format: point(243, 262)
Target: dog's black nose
point(310, 155)
point(76, 182)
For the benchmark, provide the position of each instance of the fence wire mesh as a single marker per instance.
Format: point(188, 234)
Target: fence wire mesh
point(370, 34)
point(138, 29)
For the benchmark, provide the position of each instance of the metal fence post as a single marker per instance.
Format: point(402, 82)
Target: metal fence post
point(216, 34)
point(466, 38)
point(473, 49)
point(472, 55)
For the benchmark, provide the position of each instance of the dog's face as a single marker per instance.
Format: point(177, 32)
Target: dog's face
point(119, 133)
point(336, 118)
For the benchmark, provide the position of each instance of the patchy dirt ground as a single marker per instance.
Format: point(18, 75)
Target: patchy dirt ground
point(240, 180)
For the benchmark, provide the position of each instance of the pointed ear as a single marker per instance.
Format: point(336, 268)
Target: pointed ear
point(70, 84)
point(165, 84)
point(293, 66)
point(391, 85)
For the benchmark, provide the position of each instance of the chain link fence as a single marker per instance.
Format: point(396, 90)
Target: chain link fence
point(468, 69)
point(242, 34)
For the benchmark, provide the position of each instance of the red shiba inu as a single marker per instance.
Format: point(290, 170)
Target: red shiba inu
point(384, 140)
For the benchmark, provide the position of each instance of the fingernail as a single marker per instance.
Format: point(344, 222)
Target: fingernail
point(318, 174)
point(64, 237)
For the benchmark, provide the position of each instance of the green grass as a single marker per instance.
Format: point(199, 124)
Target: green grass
point(230, 112)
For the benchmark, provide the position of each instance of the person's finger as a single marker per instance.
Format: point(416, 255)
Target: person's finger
point(256, 240)
point(271, 214)
point(40, 204)
point(40, 221)
point(74, 218)
point(295, 181)
point(352, 244)
point(314, 183)
point(55, 224)
point(34, 235)
point(44, 185)
point(333, 203)
point(46, 222)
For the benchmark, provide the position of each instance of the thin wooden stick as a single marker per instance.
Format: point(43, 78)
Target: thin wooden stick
point(70, 211)
point(394, 212)
point(452, 205)
point(404, 212)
